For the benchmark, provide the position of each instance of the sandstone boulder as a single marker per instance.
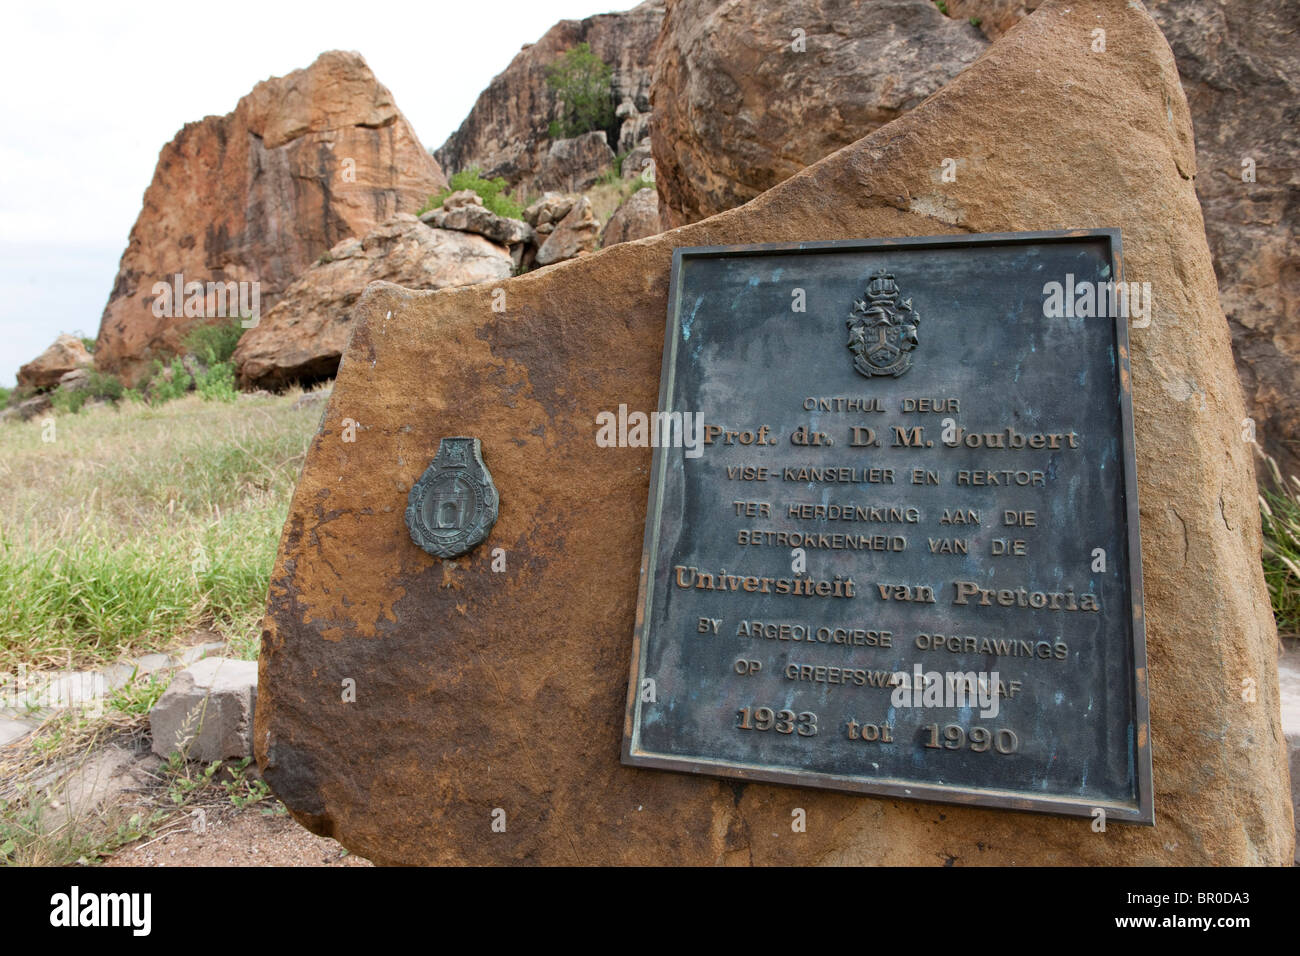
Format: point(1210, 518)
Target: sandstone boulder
point(740, 103)
point(546, 212)
point(207, 711)
point(303, 335)
point(27, 409)
point(462, 197)
point(65, 354)
point(506, 133)
point(639, 162)
point(75, 380)
point(637, 218)
point(469, 217)
point(577, 233)
point(304, 161)
point(507, 690)
point(575, 164)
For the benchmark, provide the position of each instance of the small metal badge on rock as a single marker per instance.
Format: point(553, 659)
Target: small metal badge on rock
point(453, 506)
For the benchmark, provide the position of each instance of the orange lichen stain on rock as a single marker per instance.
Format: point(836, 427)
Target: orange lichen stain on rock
point(351, 578)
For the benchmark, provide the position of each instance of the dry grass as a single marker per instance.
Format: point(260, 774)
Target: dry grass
point(136, 524)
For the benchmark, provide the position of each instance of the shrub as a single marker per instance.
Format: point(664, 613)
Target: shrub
point(160, 388)
point(104, 385)
point(89, 343)
point(581, 81)
point(491, 191)
point(216, 342)
point(217, 384)
point(68, 401)
point(4, 396)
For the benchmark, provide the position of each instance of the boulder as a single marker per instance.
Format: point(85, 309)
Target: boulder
point(575, 164)
point(636, 127)
point(66, 354)
point(257, 195)
point(75, 380)
point(507, 690)
point(462, 197)
point(27, 409)
point(302, 336)
point(637, 218)
point(468, 217)
point(639, 162)
point(506, 133)
point(207, 711)
point(545, 213)
point(741, 103)
point(577, 233)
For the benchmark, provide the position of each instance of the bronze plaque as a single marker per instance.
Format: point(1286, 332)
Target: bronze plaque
point(892, 539)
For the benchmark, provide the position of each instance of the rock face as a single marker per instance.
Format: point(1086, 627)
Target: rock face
point(739, 107)
point(304, 161)
point(637, 218)
point(473, 217)
point(1240, 65)
point(577, 233)
point(462, 672)
point(207, 711)
point(573, 165)
point(66, 354)
point(506, 134)
point(302, 337)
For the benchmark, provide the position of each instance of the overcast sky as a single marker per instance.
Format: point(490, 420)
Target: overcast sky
point(92, 91)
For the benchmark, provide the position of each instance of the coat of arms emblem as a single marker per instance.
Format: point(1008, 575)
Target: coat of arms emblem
point(882, 329)
point(453, 506)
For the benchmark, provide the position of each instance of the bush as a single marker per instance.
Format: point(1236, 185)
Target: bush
point(89, 343)
point(581, 81)
point(491, 191)
point(217, 384)
point(4, 396)
point(160, 388)
point(68, 401)
point(104, 385)
point(216, 342)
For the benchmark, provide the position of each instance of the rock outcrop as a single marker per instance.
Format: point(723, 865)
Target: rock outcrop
point(1239, 63)
point(747, 94)
point(506, 133)
point(446, 654)
point(304, 161)
point(302, 337)
point(66, 354)
point(637, 218)
point(576, 234)
point(572, 165)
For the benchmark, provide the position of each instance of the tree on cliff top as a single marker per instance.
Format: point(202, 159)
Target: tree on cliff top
point(581, 81)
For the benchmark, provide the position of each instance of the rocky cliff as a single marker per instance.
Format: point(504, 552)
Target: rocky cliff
point(739, 107)
point(505, 133)
point(747, 94)
point(304, 161)
point(1239, 62)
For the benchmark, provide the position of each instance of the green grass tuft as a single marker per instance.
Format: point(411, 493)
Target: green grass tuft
point(140, 523)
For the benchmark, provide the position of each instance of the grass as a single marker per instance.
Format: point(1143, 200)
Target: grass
point(38, 827)
point(1280, 510)
point(139, 523)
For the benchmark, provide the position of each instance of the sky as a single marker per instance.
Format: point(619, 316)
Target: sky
point(90, 92)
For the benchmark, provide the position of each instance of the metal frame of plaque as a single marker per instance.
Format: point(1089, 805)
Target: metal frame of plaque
point(740, 679)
